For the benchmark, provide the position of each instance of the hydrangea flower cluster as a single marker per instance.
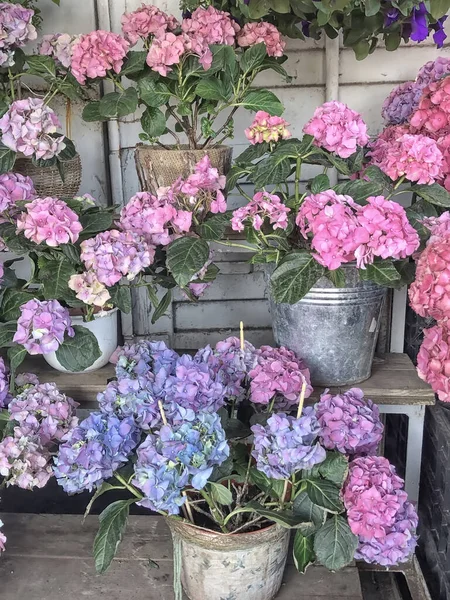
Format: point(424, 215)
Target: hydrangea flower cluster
point(15, 187)
point(166, 51)
point(133, 365)
point(432, 71)
point(146, 21)
point(29, 126)
point(433, 360)
point(43, 412)
point(59, 46)
point(49, 220)
point(278, 373)
point(114, 254)
point(178, 455)
point(197, 286)
point(337, 128)
point(5, 396)
point(2, 538)
point(266, 128)
point(287, 445)
point(24, 462)
point(91, 452)
point(262, 33)
point(96, 53)
point(401, 103)
point(42, 325)
point(378, 511)
point(89, 289)
point(433, 112)
point(16, 29)
point(349, 423)
point(263, 205)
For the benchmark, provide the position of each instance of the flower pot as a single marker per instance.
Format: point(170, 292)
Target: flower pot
point(47, 180)
point(104, 327)
point(246, 566)
point(157, 167)
point(334, 330)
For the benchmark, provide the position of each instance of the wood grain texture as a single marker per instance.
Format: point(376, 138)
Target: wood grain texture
point(49, 557)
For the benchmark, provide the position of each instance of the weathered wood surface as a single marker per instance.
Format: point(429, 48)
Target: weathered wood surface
point(394, 381)
point(49, 557)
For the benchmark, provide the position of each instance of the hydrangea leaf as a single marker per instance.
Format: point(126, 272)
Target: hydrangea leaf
point(334, 468)
point(7, 331)
point(335, 544)
point(325, 494)
point(135, 63)
point(105, 487)
point(16, 356)
point(434, 194)
point(121, 297)
point(69, 355)
point(185, 257)
point(112, 525)
point(7, 159)
point(284, 518)
point(303, 507)
point(118, 104)
point(220, 493)
point(55, 275)
point(383, 273)
point(253, 57)
point(12, 301)
point(294, 277)
point(262, 100)
point(153, 93)
point(94, 222)
point(303, 551)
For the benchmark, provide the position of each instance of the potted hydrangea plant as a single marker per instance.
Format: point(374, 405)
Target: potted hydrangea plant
point(189, 74)
point(172, 431)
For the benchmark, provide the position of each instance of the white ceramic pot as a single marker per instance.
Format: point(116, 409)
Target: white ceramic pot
point(104, 327)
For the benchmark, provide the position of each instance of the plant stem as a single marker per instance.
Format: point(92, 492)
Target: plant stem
point(241, 191)
point(129, 487)
point(227, 122)
point(231, 244)
point(214, 511)
point(285, 490)
point(11, 85)
point(298, 171)
point(188, 507)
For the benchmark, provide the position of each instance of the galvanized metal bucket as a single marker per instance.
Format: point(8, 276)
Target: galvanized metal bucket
point(242, 566)
point(334, 330)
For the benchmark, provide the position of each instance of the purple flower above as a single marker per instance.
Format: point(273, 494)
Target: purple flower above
point(141, 405)
point(348, 423)
point(42, 325)
point(92, 451)
point(287, 445)
point(14, 188)
point(419, 23)
point(5, 396)
point(391, 16)
point(401, 103)
point(439, 35)
point(24, 462)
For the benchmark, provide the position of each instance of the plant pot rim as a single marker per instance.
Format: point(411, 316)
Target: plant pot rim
point(100, 315)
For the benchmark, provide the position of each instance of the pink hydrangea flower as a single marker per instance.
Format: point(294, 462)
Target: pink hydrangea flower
point(28, 127)
point(89, 289)
point(42, 325)
point(433, 112)
point(3, 539)
point(149, 216)
point(206, 182)
point(267, 129)
point(146, 21)
point(15, 187)
point(439, 226)
point(49, 220)
point(59, 46)
point(16, 29)
point(433, 70)
point(96, 53)
point(115, 254)
point(278, 372)
point(337, 128)
point(433, 360)
point(266, 33)
point(24, 462)
point(262, 206)
point(165, 51)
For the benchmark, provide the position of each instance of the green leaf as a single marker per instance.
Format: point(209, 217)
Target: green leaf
point(185, 257)
point(303, 507)
point(383, 273)
point(359, 190)
point(258, 8)
point(91, 112)
point(334, 544)
point(71, 252)
point(416, 213)
point(162, 306)
point(211, 89)
point(434, 194)
point(94, 222)
point(294, 277)
point(121, 297)
point(135, 63)
point(11, 303)
point(253, 57)
point(320, 183)
point(439, 8)
point(69, 151)
point(233, 176)
point(79, 352)
point(337, 277)
point(271, 170)
point(214, 227)
point(325, 494)
point(105, 487)
point(55, 275)
point(334, 468)
point(252, 153)
point(7, 331)
point(153, 122)
point(16, 356)
point(43, 66)
point(272, 487)
point(262, 100)
point(284, 518)
point(303, 551)
point(274, 65)
point(112, 525)
point(153, 93)
point(220, 493)
point(7, 159)
point(280, 6)
point(17, 243)
point(118, 104)
point(371, 7)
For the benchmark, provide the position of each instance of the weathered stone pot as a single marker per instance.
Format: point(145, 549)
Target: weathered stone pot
point(242, 566)
point(334, 330)
point(157, 167)
point(47, 180)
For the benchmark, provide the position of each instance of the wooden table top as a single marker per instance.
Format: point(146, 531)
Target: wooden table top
point(394, 380)
point(49, 557)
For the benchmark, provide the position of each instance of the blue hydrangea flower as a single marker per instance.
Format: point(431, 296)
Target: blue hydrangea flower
point(92, 451)
point(142, 405)
point(286, 444)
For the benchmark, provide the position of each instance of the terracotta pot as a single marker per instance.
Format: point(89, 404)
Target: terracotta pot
point(47, 180)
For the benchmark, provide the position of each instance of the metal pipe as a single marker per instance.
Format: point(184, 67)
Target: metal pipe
point(332, 83)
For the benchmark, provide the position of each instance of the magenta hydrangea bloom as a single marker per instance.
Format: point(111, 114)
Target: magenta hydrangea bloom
point(433, 360)
point(2, 538)
point(433, 113)
point(337, 128)
point(5, 396)
point(287, 445)
point(262, 32)
point(262, 206)
point(89, 289)
point(24, 462)
point(16, 29)
point(58, 46)
point(42, 325)
point(433, 71)
point(15, 187)
point(146, 21)
point(377, 507)
point(349, 423)
point(96, 53)
point(28, 127)
point(43, 411)
point(114, 254)
point(401, 103)
point(165, 51)
point(266, 128)
point(49, 220)
point(278, 373)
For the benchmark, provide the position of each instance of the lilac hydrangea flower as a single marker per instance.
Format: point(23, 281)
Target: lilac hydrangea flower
point(2, 538)
point(24, 462)
point(42, 325)
point(141, 405)
point(43, 411)
point(14, 188)
point(401, 103)
point(24, 381)
point(349, 423)
point(287, 445)
point(432, 71)
point(91, 452)
point(16, 29)
point(59, 46)
point(5, 396)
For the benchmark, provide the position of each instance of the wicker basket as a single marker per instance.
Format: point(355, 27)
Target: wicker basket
point(157, 167)
point(47, 180)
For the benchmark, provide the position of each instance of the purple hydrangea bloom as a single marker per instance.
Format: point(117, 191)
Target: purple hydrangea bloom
point(93, 451)
point(44, 412)
point(59, 46)
point(24, 462)
point(14, 188)
point(16, 29)
point(349, 423)
point(25, 380)
point(401, 103)
point(5, 396)
point(42, 325)
point(287, 445)
point(432, 71)
point(132, 363)
point(142, 405)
